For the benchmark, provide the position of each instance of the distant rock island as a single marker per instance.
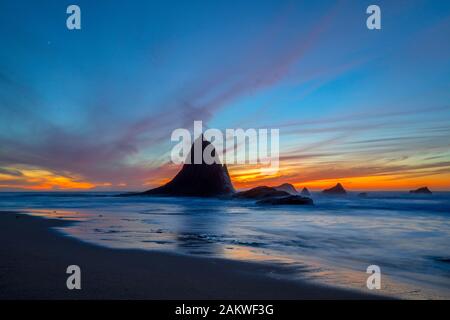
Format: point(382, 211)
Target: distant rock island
point(363, 195)
point(197, 180)
point(271, 196)
point(305, 192)
point(337, 189)
point(261, 193)
point(423, 190)
point(289, 200)
point(289, 188)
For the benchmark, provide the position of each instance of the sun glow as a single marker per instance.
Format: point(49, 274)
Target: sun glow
point(249, 177)
point(40, 179)
point(314, 177)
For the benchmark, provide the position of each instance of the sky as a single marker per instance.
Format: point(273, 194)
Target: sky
point(94, 109)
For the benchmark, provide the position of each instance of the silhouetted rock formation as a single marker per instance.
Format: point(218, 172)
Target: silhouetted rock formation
point(289, 200)
point(287, 187)
point(305, 192)
point(337, 189)
point(197, 180)
point(423, 190)
point(260, 193)
point(362, 195)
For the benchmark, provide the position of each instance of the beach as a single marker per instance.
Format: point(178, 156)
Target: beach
point(225, 150)
point(34, 258)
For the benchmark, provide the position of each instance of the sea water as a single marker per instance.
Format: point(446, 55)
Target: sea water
point(332, 242)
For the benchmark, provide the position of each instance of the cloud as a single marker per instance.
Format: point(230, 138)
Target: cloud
point(100, 151)
point(10, 172)
point(126, 141)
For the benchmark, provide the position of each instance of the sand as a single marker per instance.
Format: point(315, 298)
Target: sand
point(34, 258)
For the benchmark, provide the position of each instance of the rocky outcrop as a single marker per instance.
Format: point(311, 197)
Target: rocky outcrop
point(338, 189)
point(289, 200)
point(423, 190)
point(363, 195)
point(305, 192)
point(287, 187)
point(197, 180)
point(261, 193)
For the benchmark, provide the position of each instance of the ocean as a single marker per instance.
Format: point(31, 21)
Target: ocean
point(332, 242)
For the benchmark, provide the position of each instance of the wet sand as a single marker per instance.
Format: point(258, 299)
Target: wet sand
point(34, 258)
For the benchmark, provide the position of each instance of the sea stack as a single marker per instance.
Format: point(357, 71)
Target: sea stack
point(305, 192)
point(289, 200)
point(272, 196)
point(337, 190)
point(287, 187)
point(261, 193)
point(423, 190)
point(198, 180)
point(362, 194)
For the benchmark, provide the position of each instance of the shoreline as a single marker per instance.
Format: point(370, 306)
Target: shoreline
point(34, 258)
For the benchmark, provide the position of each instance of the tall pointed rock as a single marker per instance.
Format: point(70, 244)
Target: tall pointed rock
point(198, 180)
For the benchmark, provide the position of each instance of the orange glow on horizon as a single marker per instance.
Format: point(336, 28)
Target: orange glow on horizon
point(42, 180)
point(243, 177)
point(250, 179)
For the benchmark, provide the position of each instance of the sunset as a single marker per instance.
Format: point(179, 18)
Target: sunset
point(196, 151)
point(74, 117)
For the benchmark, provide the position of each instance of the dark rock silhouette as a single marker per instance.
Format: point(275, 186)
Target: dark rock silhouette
point(423, 190)
point(260, 193)
point(289, 200)
point(337, 189)
point(305, 192)
point(287, 187)
point(362, 195)
point(198, 180)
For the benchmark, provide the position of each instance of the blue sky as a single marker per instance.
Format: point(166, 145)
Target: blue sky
point(98, 105)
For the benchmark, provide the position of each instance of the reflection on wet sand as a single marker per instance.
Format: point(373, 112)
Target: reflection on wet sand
point(57, 214)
